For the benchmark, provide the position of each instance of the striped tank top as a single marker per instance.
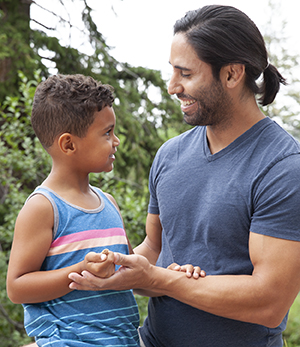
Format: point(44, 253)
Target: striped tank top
point(83, 318)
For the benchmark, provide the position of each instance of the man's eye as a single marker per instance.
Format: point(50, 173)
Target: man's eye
point(185, 75)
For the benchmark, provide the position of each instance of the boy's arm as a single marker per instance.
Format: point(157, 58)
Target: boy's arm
point(32, 240)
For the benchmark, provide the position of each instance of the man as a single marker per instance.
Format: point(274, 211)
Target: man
point(224, 195)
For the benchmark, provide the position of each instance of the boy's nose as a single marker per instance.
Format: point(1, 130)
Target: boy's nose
point(116, 141)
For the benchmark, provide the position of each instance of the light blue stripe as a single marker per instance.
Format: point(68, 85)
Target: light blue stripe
point(88, 297)
point(80, 322)
point(52, 343)
point(38, 318)
point(106, 338)
point(122, 323)
point(107, 320)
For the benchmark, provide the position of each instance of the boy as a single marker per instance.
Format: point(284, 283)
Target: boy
point(65, 218)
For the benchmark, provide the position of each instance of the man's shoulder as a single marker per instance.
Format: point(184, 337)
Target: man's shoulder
point(276, 143)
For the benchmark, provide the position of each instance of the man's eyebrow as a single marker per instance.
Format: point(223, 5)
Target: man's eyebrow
point(180, 67)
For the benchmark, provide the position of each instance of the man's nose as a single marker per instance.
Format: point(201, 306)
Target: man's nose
point(174, 86)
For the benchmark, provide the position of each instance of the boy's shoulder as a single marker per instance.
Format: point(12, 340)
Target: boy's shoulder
point(111, 198)
point(36, 211)
point(37, 202)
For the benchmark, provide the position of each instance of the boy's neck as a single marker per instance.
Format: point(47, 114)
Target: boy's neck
point(76, 192)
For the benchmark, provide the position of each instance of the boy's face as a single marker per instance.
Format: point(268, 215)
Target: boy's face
point(95, 151)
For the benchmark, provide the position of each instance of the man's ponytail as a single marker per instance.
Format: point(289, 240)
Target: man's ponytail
point(271, 84)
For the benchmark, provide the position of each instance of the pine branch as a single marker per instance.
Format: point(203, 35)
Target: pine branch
point(17, 325)
point(43, 25)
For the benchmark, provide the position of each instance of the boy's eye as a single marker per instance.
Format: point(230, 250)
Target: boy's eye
point(108, 132)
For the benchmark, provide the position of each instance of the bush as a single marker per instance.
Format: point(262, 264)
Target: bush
point(292, 332)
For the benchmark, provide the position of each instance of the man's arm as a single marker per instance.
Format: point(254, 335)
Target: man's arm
point(151, 246)
point(261, 298)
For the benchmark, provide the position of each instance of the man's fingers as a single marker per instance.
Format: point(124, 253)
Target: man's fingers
point(121, 259)
point(79, 281)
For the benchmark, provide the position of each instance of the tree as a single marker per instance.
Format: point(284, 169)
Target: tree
point(15, 50)
point(286, 114)
point(140, 117)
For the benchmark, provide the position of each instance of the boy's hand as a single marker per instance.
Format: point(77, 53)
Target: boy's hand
point(100, 264)
point(190, 270)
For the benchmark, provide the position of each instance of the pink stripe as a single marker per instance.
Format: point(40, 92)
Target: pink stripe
point(86, 235)
point(88, 244)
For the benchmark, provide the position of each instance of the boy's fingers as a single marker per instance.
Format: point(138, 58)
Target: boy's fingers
point(91, 256)
point(174, 266)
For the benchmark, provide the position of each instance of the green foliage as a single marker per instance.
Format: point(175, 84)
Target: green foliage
point(15, 50)
point(292, 332)
point(23, 165)
point(132, 200)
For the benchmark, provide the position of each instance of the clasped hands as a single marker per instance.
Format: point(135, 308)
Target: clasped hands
point(134, 272)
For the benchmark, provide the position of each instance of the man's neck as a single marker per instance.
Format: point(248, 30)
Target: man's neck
point(220, 136)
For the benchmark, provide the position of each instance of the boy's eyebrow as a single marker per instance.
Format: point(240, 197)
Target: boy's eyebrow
point(109, 127)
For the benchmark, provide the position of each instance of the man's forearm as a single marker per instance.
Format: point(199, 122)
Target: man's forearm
point(239, 297)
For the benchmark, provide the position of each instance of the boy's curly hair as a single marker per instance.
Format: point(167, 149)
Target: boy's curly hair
point(67, 103)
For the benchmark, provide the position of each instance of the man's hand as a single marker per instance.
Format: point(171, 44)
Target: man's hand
point(135, 272)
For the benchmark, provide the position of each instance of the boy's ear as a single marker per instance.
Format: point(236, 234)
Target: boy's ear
point(233, 74)
point(66, 143)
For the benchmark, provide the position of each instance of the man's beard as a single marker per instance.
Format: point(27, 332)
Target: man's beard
point(214, 106)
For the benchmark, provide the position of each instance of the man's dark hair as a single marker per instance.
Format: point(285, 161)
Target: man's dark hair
point(222, 35)
point(67, 103)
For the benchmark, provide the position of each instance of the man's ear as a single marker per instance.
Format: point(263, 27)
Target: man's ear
point(66, 143)
point(233, 74)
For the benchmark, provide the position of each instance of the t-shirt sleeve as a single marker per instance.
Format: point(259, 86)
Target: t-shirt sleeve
point(276, 201)
point(153, 202)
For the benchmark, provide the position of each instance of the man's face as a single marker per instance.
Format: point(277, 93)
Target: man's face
point(203, 98)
